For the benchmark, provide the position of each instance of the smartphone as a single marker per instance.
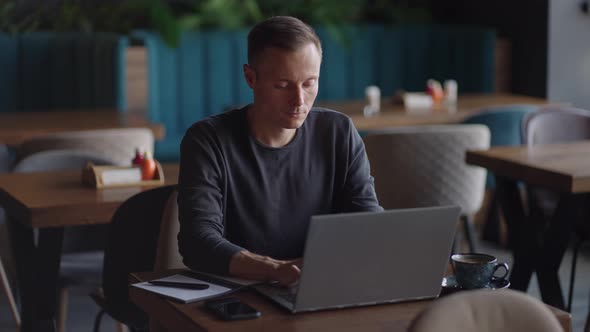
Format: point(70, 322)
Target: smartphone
point(231, 308)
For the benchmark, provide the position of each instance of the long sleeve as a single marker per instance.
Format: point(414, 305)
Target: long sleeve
point(201, 195)
point(359, 188)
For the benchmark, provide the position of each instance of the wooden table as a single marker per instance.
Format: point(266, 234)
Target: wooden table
point(537, 247)
point(48, 202)
point(397, 115)
point(194, 317)
point(18, 127)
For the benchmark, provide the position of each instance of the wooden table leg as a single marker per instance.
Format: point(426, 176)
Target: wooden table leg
point(37, 265)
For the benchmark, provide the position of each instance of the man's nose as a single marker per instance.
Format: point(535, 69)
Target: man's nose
point(299, 96)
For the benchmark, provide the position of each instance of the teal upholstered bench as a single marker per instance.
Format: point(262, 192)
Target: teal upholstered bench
point(48, 70)
point(203, 76)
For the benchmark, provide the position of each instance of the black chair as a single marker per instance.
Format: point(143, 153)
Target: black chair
point(6, 159)
point(131, 247)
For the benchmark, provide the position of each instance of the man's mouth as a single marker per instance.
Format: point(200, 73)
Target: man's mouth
point(296, 112)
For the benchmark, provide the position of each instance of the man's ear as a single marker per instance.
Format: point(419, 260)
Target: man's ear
point(249, 75)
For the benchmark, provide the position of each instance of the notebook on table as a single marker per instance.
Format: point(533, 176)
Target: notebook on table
point(217, 285)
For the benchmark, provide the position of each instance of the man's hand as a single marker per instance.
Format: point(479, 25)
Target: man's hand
point(251, 266)
point(287, 273)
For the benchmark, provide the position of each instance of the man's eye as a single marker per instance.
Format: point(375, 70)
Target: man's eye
point(281, 85)
point(309, 84)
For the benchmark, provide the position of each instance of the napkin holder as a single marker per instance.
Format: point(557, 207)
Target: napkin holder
point(118, 176)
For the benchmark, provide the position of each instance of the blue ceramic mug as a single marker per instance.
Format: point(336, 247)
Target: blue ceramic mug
point(477, 270)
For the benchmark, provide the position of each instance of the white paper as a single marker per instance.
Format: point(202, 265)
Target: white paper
point(417, 102)
point(116, 176)
point(234, 280)
point(183, 294)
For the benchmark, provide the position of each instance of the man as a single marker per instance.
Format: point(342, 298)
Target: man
point(251, 178)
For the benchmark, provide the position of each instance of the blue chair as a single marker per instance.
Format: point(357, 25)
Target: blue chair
point(504, 123)
point(48, 70)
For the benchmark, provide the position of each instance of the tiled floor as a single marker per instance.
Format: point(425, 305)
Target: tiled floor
point(581, 301)
point(82, 309)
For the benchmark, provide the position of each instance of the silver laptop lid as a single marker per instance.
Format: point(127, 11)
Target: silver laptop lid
point(367, 258)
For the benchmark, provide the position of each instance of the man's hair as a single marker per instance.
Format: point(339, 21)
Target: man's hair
point(285, 32)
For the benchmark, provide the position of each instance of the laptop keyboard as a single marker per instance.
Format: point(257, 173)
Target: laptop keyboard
point(289, 297)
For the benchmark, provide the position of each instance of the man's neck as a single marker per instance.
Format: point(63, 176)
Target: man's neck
point(273, 137)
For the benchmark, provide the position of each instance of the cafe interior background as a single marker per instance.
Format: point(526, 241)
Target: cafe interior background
point(538, 48)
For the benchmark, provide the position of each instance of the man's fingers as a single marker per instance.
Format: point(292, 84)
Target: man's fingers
point(298, 262)
point(288, 275)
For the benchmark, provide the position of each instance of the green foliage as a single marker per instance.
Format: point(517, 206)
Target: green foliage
point(11, 23)
point(227, 14)
point(170, 18)
point(389, 11)
point(164, 22)
point(332, 12)
point(71, 16)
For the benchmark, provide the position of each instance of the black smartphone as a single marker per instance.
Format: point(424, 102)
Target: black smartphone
point(231, 308)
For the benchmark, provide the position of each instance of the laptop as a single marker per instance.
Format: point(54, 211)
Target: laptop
point(367, 258)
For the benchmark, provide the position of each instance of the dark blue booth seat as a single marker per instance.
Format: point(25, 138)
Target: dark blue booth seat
point(203, 76)
point(48, 70)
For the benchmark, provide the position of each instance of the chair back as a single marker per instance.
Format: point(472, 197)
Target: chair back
point(484, 310)
point(116, 144)
point(504, 123)
point(49, 70)
point(131, 247)
point(57, 160)
point(556, 125)
point(424, 166)
point(167, 255)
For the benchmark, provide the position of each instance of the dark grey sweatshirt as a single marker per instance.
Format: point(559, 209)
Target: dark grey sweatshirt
point(236, 193)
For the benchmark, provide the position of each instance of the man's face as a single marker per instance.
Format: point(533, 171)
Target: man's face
point(285, 85)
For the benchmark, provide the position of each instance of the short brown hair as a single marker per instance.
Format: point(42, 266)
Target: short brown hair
point(283, 32)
